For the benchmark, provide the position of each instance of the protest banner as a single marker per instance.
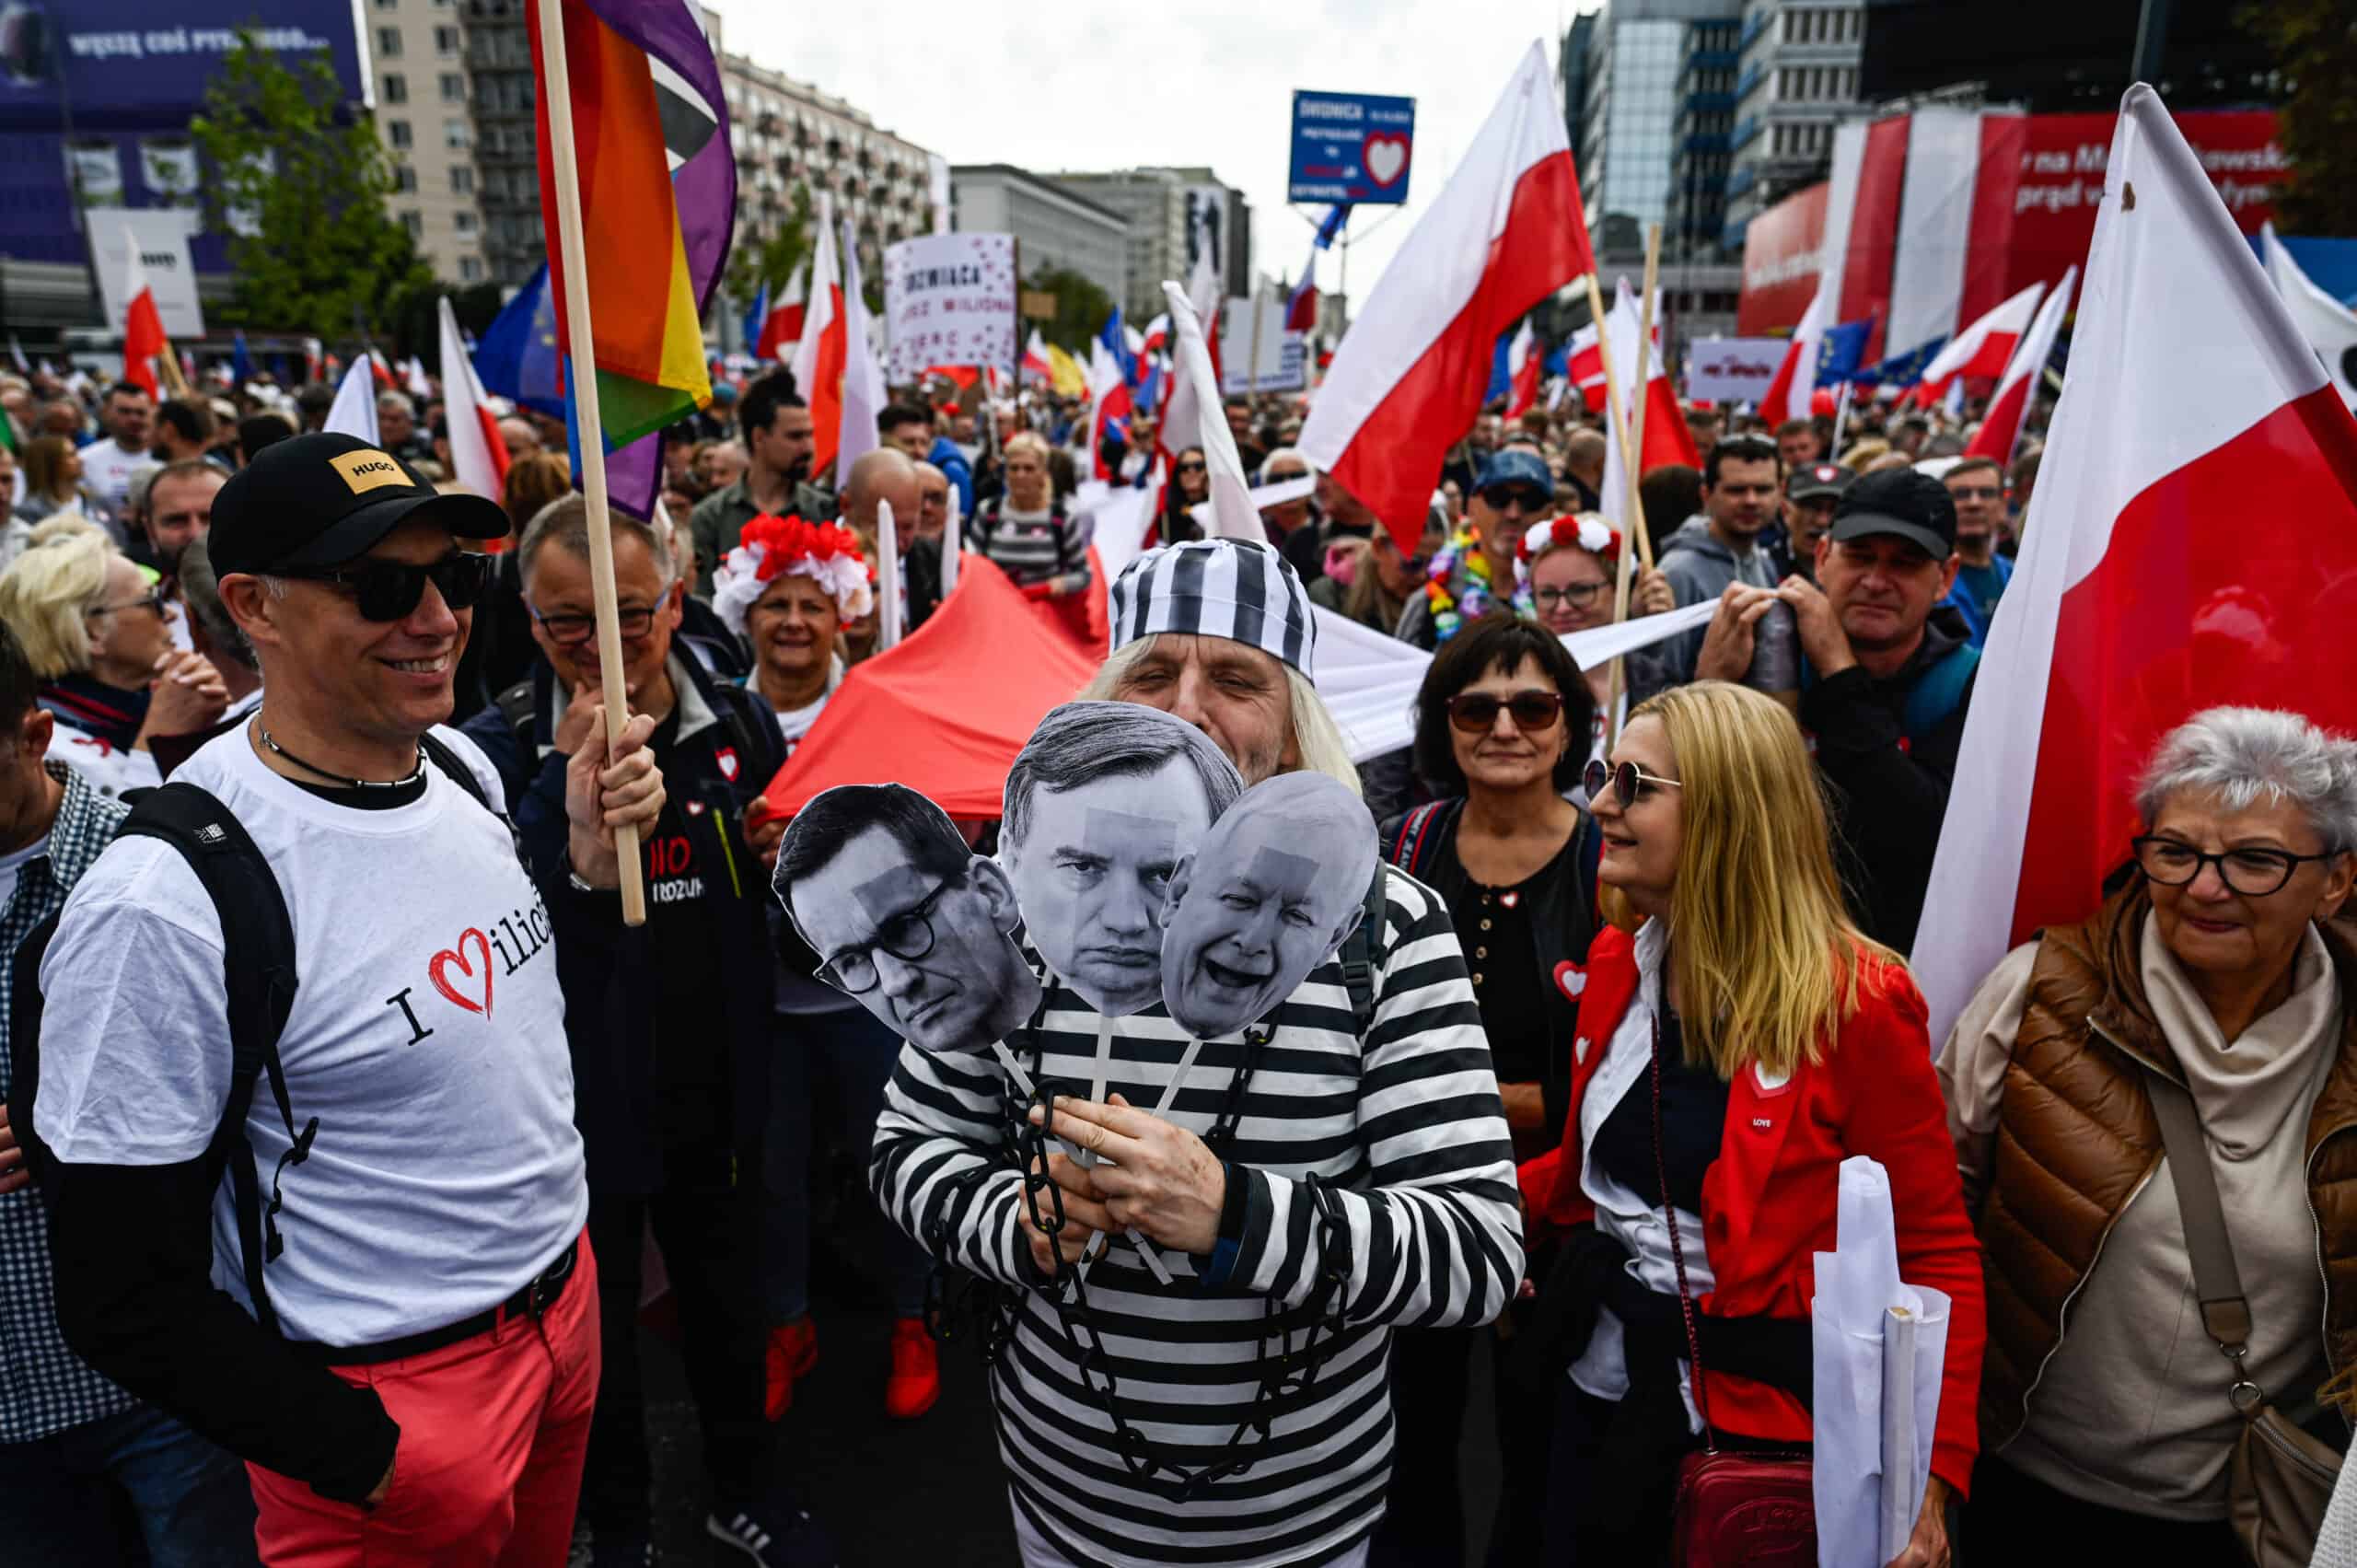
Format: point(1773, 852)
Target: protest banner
point(1732, 371)
point(162, 236)
point(1351, 147)
point(949, 300)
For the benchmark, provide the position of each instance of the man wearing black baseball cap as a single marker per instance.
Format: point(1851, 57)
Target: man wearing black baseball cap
point(1888, 679)
point(1810, 494)
point(408, 1365)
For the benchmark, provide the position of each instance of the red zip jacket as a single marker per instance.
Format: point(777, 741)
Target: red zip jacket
point(1768, 1201)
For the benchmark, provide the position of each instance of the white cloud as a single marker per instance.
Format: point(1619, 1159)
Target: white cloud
point(1106, 85)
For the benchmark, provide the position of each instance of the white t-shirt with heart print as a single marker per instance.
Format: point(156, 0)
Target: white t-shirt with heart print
point(427, 1036)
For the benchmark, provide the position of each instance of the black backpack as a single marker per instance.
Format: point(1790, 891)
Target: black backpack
point(258, 967)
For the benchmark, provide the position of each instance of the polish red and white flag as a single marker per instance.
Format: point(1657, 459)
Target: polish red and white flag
point(478, 452)
point(1506, 232)
point(2001, 428)
point(2181, 553)
point(143, 327)
point(1523, 364)
point(1983, 349)
point(823, 350)
point(1792, 390)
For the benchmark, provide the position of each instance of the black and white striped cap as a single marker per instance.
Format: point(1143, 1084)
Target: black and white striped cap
point(1216, 587)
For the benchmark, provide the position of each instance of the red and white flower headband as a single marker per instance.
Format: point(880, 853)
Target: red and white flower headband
point(1587, 531)
point(827, 554)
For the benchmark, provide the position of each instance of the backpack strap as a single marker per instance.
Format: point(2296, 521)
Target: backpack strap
point(1940, 691)
point(515, 706)
point(438, 751)
point(1358, 952)
point(258, 970)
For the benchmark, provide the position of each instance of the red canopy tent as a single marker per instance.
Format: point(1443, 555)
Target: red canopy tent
point(945, 712)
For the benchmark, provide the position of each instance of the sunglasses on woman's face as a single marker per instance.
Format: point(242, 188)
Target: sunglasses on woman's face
point(1630, 783)
point(390, 590)
point(1476, 713)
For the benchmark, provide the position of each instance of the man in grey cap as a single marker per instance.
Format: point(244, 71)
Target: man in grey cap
point(1384, 1036)
point(1811, 492)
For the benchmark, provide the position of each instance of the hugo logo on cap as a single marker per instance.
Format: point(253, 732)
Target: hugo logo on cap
point(367, 469)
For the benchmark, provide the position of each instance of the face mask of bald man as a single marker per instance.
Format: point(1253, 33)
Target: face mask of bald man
point(1276, 888)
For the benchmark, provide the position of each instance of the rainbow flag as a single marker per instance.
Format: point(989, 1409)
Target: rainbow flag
point(659, 197)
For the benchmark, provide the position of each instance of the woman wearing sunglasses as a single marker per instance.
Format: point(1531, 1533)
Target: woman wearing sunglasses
point(1568, 574)
point(98, 629)
point(1733, 1051)
point(2217, 967)
point(1190, 484)
point(1502, 730)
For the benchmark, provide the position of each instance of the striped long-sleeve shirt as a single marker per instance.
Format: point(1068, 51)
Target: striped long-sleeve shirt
point(1406, 1128)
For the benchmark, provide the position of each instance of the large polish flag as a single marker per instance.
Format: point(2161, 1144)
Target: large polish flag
point(1504, 233)
point(478, 452)
point(819, 355)
point(2001, 428)
point(1794, 383)
point(2135, 604)
point(1918, 219)
point(2329, 326)
point(1984, 348)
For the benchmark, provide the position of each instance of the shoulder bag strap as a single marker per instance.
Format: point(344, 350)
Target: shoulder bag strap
point(2225, 1311)
point(1678, 1254)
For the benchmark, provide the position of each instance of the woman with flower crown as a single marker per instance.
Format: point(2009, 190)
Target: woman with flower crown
point(787, 590)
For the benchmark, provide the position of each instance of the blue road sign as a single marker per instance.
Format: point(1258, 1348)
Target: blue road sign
point(1351, 147)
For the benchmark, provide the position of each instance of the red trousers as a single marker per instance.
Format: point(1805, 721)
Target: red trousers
point(488, 1469)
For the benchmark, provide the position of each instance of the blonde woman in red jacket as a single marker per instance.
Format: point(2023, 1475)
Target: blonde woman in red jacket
point(1785, 1042)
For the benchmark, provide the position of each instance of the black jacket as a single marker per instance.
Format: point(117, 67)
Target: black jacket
point(727, 752)
point(1890, 787)
point(1563, 919)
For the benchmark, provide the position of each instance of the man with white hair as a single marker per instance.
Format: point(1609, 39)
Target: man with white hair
point(396, 427)
point(1376, 1189)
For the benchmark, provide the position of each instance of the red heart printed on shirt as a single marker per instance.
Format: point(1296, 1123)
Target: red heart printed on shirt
point(1568, 975)
point(436, 971)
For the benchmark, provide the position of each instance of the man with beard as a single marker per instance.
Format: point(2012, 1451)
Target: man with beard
point(1888, 682)
point(1267, 898)
point(179, 510)
point(779, 440)
point(1721, 547)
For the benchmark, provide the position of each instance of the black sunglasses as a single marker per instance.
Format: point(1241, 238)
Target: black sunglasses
point(1476, 713)
point(1628, 781)
point(390, 590)
point(1501, 496)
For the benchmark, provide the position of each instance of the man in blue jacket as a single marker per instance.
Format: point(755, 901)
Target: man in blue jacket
point(910, 427)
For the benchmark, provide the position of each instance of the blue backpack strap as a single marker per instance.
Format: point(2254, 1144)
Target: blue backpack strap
point(1940, 691)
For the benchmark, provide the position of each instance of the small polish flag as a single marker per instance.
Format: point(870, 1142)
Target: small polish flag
point(1983, 349)
point(2131, 609)
point(782, 328)
point(1506, 232)
point(818, 355)
point(2001, 428)
point(1035, 358)
point(1790, 392)
point(1523, 362)
point(142, 329)
point(478, 452)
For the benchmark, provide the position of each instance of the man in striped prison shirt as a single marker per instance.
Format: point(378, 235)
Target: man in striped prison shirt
point(1339, 1170)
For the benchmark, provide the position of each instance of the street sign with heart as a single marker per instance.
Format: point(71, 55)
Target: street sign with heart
point(1386, 159)
point(1351, 147)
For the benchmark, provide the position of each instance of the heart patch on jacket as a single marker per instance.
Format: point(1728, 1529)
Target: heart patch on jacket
point(1570, 978)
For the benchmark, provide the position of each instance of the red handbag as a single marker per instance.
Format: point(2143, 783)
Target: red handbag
point(1756, 1509)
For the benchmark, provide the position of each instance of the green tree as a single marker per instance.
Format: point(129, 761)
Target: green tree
point(776, 260)
point(2314, 46)
point(299, 185)
point(1081, 306)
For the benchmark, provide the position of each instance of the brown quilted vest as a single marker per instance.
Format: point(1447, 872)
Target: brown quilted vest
point(2076, 1140)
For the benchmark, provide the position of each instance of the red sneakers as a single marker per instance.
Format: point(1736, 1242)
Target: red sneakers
point(793, 1351)
point(915, 1382)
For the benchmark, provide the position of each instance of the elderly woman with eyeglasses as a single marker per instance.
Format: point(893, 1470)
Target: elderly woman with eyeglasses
point(2216, 972)
point(1567, 570)
point(96, 628)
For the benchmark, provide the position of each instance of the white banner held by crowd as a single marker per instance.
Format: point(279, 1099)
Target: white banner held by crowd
point(949, 300)
point(162, 235)
point(1732, 371)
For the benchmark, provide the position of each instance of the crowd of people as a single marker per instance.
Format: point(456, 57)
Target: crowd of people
point(360, 1109)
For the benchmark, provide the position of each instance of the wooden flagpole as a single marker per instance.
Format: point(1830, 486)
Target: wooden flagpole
point(581, 347)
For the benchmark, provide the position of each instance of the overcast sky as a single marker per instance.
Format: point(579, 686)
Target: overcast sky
point(1090, 85)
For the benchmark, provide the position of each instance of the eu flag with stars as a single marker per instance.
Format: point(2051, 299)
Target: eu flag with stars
point(1838, 351)
point(517, 354)
point(1902, 369)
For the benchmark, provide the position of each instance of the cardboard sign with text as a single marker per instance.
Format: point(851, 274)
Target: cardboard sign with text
point(949, 300)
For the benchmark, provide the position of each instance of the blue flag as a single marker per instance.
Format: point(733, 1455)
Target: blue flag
point(755, 314)
point(241, 362)
point(1117, 343)
point(1500, 374)
point(518, 357)
point(1557, 361)
point(1901, 369)
point(1840, 349)
point(1330, 229)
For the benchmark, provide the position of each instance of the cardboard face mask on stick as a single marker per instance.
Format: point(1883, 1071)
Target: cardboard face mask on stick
point(906, 920)
point(1272, 892)
point(1102, 804)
